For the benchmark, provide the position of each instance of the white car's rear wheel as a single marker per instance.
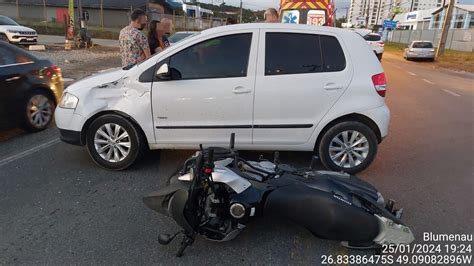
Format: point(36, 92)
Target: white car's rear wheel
point(114, 142)
point(348, 146)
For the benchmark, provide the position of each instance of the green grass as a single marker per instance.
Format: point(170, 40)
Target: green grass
point(456, 60)
point(395, 47)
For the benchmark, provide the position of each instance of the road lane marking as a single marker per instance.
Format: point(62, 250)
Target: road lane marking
point(452, 93)
point(427, 81)
point(411, 73)
point(28, 152)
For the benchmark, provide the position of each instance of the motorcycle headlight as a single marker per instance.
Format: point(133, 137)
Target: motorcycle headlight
point(68, 101)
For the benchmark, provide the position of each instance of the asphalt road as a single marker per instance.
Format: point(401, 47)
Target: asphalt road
point(57, 207)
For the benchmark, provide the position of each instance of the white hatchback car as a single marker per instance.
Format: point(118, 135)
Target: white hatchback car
point(276, 86)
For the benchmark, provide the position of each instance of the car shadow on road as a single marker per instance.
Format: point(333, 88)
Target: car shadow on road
point(169, 161)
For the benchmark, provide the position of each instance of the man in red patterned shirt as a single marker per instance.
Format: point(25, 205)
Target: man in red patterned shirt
point(133, 42)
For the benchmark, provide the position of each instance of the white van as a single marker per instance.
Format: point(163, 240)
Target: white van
point(276, 86)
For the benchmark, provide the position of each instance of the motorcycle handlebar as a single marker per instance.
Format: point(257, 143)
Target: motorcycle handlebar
point(210, 156)
point(199, 161)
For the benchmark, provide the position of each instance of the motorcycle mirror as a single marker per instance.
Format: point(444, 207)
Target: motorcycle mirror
point(276, 157)
point(232, 141)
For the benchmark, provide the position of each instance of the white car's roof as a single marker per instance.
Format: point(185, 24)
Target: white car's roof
point(421, 41)
point(278, 26)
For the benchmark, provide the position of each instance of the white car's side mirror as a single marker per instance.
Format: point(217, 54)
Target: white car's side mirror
point(163, 72)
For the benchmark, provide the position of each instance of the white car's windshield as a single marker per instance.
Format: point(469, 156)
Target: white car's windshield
point(7, 21)
point(372, 37)
point(422, 45)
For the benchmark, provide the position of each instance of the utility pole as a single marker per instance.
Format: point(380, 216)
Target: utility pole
point(102, 14)
point(45, 14)
point(79, 10)
point(346, 14)
point(444, 32)
point(241, 11)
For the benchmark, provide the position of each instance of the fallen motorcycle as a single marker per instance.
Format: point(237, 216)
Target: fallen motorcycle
point(217, 193)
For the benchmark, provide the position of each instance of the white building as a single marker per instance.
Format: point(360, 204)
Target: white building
point(374, 12)
point(377, 11)
point(414, 5)
point(463, 18)
point(415, 20)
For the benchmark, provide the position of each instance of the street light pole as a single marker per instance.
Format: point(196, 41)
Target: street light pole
point(241, 11)
point(444, 32)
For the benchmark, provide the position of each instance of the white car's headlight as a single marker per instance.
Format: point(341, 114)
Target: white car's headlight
point(68, 101)
point(13, 31)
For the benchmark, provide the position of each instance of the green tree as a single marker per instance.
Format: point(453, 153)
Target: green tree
point(396, 10)
point(339, 22)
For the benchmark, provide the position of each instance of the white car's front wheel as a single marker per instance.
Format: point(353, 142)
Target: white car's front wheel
point(114, 142)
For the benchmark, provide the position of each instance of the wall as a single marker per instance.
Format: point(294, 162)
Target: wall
point(113, 20)
point(458, 39)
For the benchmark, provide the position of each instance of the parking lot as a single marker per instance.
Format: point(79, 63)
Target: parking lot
point(58, 207)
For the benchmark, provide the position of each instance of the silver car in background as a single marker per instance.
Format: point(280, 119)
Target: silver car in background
point(420, 50)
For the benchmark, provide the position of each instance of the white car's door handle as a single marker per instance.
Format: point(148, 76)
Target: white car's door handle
point(241, 90)
point(332, 86)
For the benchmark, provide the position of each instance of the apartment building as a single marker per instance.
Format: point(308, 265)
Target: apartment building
point(374, 12)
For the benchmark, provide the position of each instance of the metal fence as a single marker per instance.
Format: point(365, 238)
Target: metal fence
point(458, 39)
point(181, 23)
point(107, 20)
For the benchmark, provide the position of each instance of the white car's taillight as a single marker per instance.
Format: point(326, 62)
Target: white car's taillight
point(381, 44)
point(380, 84)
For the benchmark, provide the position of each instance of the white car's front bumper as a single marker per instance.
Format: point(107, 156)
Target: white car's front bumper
point(70, 125)
point(20, 38)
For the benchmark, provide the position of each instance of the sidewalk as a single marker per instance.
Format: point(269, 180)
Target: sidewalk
point(59, 40)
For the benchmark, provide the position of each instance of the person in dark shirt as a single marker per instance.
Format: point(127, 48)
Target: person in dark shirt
point(156, 35)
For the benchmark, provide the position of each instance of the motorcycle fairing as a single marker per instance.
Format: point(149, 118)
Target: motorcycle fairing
point(226, 176)
point(157, 200)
